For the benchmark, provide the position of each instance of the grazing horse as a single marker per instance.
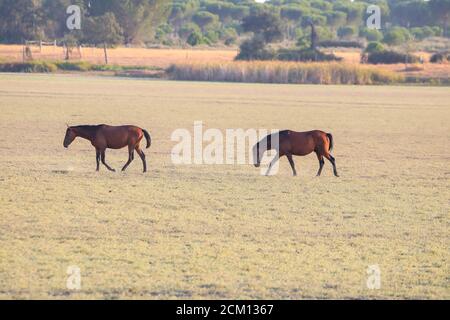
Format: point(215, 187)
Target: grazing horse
point(293, 143)
point(113, 137)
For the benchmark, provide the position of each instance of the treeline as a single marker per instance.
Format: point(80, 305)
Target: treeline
point(213, 22)
point(216, 21)
point(102, 21)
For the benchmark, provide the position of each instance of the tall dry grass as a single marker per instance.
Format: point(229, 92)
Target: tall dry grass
point(283, 72)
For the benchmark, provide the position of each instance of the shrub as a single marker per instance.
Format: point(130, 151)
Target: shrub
point(304, 55)
point(195, 38)
point(254, 49)
point(397, 36)
point(391, 57)
point(187, 29)
point(346, 32)
point(371, 34)
point(74, 66)
point(342, 44)
point(29, 67)
point(374, 47)
point(229, 36)
point(212, 36)
point(422, 33)
point(204, 18)
point(440, 57)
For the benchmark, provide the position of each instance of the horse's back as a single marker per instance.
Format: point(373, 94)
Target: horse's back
point(302, 143)
point(120, 136)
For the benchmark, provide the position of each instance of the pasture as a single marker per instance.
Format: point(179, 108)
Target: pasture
point(223, 231)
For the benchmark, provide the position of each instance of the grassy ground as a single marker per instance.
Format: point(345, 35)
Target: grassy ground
point(223, 231)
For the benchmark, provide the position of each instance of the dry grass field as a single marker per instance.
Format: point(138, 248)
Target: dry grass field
point(163, 58)
point(223, 231)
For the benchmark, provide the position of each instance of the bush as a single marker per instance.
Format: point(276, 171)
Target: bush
point(422, 33)
point(346, 32)
point(195, 38)
point(373, 47)
point(440, 57)
point(229, 36)
point(391, 57)
point(397, 36)
point(254, 49)
point(187, 29)
point(204, 18)
point(74, 66)
point(304, 55)
point(371, 34)
point(212, 36)
point(29, 67)
point(342, 44)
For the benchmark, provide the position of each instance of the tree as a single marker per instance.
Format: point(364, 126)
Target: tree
point(397, 36)
point(371, 34)
point(336, 19)
point(204, 18)
point(140, 18)
point(441, 11)
point(21, 20)
point(103, 29)
point(254, 49)
point(346, 32)
point(266, 24)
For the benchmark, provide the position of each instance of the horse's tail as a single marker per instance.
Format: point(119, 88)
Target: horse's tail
point(147, 137)
point(330, 137)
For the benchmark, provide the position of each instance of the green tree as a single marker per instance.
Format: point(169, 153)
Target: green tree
point(205, 18)
point(140, 18)
point(21, 20)
point(371, 34)
point(441, 11)
point(346, 32)
point(266, 24)
point(397, 36)
point(103, 29)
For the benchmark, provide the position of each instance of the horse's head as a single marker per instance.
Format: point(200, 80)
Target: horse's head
point(70, 136)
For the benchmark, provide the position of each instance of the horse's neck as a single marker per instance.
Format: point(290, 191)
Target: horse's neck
point(85, 134)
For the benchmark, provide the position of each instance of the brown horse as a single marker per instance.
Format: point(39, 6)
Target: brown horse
point(291, 143)
point(113, 137)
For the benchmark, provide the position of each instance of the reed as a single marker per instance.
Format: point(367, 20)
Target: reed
point(283, 72)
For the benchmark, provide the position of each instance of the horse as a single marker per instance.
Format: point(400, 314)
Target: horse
point(291, 143)
point(113, 137)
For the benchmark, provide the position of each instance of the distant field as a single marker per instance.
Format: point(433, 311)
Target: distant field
point(125, 56)
point(163, 58)
point(223, 231)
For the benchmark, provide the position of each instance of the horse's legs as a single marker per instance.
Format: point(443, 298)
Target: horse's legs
point(142, 155)
point(130, 157)
point(291, 162)
point(274, 160)
point(333, 162)
point(321, 163)
point(103, 155)
point(97, 158)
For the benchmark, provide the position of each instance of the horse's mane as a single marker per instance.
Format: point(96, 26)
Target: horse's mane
point(267, 139)
point(88, 128)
